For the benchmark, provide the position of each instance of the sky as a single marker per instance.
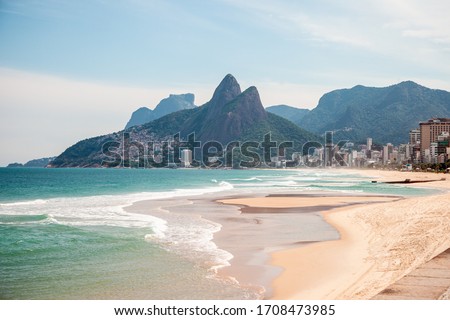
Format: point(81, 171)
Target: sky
point(70, 70)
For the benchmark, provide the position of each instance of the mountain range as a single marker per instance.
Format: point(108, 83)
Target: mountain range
point(385, 114)
point(230, 115)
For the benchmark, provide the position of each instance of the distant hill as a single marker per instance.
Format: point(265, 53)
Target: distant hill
point(15, 165)
point(36, 163)
point(292, 114)
point(385, 114)
point(230, 115)
point(175, 102)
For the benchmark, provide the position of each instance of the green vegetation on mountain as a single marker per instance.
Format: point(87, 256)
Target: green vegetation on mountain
point(85, 153)
point(385, 114)
point(230, 115)
point(292, 114)
point(35, 163)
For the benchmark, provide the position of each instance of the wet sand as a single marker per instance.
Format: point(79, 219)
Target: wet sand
point(252, 231)
point(379, 244)
point(280, 221)
point(320, 245)
point(298, 271)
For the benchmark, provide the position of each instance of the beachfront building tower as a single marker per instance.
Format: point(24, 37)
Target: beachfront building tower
point(429, 133)
point(369, 144)
point(414, 137)
point(329, 148)
point(387, 153)
point(186, 157)
point(414, 145)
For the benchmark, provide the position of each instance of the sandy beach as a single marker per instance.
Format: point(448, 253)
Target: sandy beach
point(273, 211)
point(381, 240)
point(315, 244)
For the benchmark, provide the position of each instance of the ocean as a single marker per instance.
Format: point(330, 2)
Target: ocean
point(64, 233)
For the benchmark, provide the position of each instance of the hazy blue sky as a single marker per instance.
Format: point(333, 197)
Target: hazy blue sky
point(75, 69)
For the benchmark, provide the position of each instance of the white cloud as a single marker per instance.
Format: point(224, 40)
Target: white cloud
point(414, 31)
point(426, 20)
point(300, 20)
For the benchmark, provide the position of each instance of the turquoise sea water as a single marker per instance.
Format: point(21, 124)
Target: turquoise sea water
point(65, 235)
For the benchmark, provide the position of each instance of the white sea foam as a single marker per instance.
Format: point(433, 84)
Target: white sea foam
point(31, 220)
point(192, 237)
point(181, 233)
point(247, 179)
point(226, 185)
point(108, 210)
point(186, 233)
point(21, 203)
point(336, 184)
point(267, 184)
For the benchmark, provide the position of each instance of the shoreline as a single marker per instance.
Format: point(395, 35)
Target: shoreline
point(251, 237)
point(274, 203)
point(345, 234)
point(380, 243)
point(252, 261)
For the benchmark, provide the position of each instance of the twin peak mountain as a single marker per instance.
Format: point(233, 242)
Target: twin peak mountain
point(224, 117)
point(230, 115)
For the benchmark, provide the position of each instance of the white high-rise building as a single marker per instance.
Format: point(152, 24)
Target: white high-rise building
point(186, 157)
point(414, 137)
point(369, 144)
point(433, 152)
point(387, 153)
